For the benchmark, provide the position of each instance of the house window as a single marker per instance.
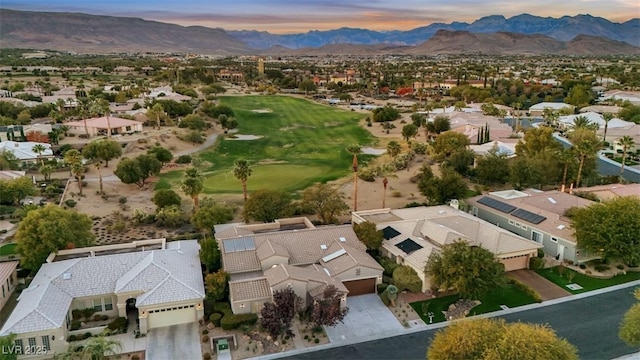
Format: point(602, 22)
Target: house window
point(554, 239)
point(3, 291)
point(523, 227)
point(241, 306)
point(128, 128)
point(108, 304)
point(45, 343)
point(32, 343)
point(19, 346)
point(358, 272)
point(8, 287)
point(536, 236)
point(511, 222)
point(97, 304)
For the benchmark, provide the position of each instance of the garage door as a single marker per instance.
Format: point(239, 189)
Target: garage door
point(516, 263)
point(361, 287)
point(171, 316)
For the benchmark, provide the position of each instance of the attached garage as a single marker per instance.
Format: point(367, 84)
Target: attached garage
point(361, 287)
point(171, 316)
point(516, 262)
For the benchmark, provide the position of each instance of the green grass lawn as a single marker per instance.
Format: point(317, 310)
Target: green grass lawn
point(587, 283)
point(8, 249)
point(509, 296)
point(303, 143)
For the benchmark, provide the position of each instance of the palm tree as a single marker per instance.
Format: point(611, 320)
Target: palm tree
point(627, 143)
point(566, 157)
point(393, 148)
point(582, 122)
point(73, 158)
point(100, 347)
point(157, 110)
point(39, 149)
point(242, 171)
point(46, 171)
point(101, 107)
point(65, 129)
point(98, 166)
point(606, 117)
point(192, 185)
point(355, 149)
point(517, 106)
point(585, 144)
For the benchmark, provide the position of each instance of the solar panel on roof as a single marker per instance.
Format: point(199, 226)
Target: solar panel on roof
point(495, 204)
point(249, 244)
point(228, 246)
point(389, 232)
point(239, 244)
point(408, 246)
point(528, 216)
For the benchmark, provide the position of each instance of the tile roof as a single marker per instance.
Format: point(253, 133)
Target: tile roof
point(257, 288)
point(103, 123)
point(168, 275)
point(268, 249)
point(7, 268)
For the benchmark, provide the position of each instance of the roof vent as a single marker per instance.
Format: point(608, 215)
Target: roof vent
point(66, 276)
point(343, 239)
point(323, 247)
point(560, 227)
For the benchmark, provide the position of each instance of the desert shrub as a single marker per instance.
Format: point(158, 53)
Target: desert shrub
point(205, 332)
point(419, 148)
point(71, 338)
point(75, 325)
point(204, 339)
point(70, 203)
point(620, 267)
point(316, 341)
point(368, 174)
point(170, 216)
point(87, 335)
point(601, 267)
point(206, 356)
point(215, 318)
point(183, 159)
point(583, 266)
point(405, 278)
point(122, 200)
point(119, 324)
point(388, 265)
point(233, 321)
point(536, 263)
point(540, 253)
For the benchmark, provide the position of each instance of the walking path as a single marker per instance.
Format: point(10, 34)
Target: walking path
point(545, 288)
point(206, 144)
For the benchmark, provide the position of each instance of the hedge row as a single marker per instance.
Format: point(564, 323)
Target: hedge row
point(527, 290)
point(227, 319)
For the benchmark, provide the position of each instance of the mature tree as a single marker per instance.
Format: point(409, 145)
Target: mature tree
point(369, 235)
point(460, 161)
point(192, 185)
point(49, 229)
point(567, 158)
point(156, 112)
point(278, 315)
point(228, 123)
point(194, 137)
point(394, 148)
point(409, 131)
point(7, 343)
point(470, 270)
point(166, 197)
point(73, 158)
point(585, 144)
point(579, 96)
point(386, 113)
point(8, 160)
point(326, 311)
point(16, 189)
point(449, 142)
point(105, 150)
point(46, 171)
point(242, 172)
point(325, 201)
point(418, 119)
point(630, 113)
point(137, 170)
point(493, 168)
point(39, 149)
point(537, 140)
point(100, 348)
point(626, 142)
point(439, 190)
point(210, 254)
point(606, 117)
point(438, 125)
point(163, 155)
point(216, 285)
point(211, 213)
point(193, 122)
point(266, 205)
point(494, 339)
point(630, 327)
point(307, 86)
point(610, 228)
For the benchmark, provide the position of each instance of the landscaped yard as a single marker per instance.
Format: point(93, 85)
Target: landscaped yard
point(510, 296)
point(302, 143)
point(587, 283)
point(8, 249)
point(628, 161)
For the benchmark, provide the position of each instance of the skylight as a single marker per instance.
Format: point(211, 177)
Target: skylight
point(334, 255)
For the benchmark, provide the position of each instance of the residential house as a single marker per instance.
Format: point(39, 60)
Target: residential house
point(263, 258)
point(470, 124)
point(538, 109)
point(611, 191)
point(536, 215)
point(8, 280)
point(412, 235)
point(154, 282)
point(102, 125)
point(23, 151)
point(621, 95)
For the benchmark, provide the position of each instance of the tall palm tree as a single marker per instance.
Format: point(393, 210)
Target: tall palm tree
point(606, 117)
point(582, 122)
point(242, 171)
point(585, 144)
point(46, 171)
point(566, 156)
point(193, 185)
point(157, 110)
point(516, 106)
point(98, 166)
point(39, 149)
point(73, 158)
point(100, 347)
point(355, 149)
point(627, 143)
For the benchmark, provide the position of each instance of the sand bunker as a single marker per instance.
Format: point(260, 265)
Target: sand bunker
point(245, 137)
point(372, 151)
point(262, 111)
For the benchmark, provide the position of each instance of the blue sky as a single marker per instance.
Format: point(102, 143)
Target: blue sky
point(287, 16)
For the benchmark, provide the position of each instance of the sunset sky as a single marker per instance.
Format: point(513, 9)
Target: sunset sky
point(289, 16)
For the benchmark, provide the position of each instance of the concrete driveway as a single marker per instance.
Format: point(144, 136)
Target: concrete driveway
point(368, 317)
point(545, 288)
point(174, 342)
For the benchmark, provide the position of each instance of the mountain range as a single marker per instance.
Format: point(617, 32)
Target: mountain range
point(522, 34)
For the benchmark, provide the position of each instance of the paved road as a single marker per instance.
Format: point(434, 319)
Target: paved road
point(590, 323)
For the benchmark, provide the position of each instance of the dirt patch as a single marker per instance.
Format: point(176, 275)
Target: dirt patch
point(403, 311)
